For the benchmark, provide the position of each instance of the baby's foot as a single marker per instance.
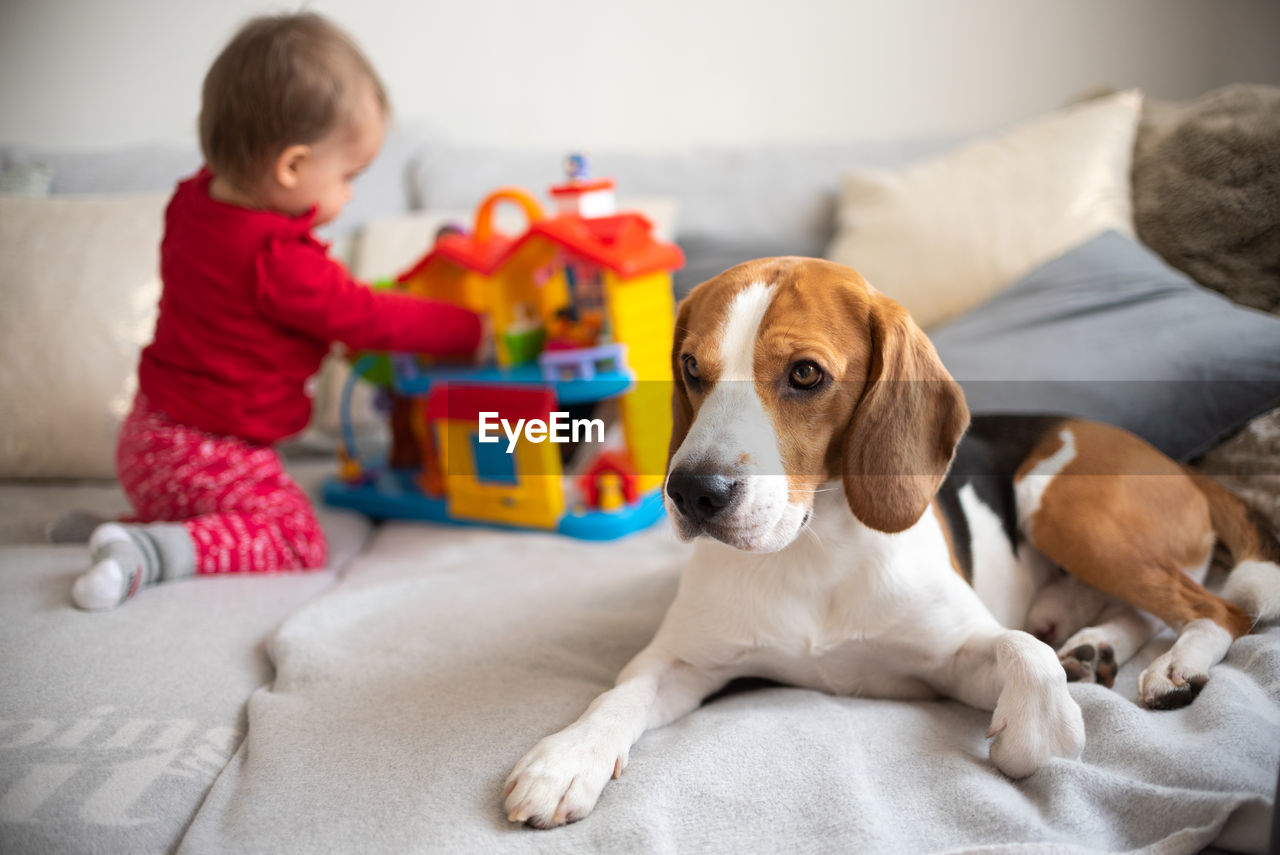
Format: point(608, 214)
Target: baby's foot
point(107, 583)
point(99, 587)
point(127, 558)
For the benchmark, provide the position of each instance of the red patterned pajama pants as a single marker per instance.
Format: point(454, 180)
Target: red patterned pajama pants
point(244, 514)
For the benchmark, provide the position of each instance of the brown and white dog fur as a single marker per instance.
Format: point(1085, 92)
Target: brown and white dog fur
point(839, 548)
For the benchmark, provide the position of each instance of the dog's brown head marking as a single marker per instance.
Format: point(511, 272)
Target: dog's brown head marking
point(850, 387)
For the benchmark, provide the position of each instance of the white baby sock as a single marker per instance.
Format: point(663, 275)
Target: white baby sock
point(127, 558)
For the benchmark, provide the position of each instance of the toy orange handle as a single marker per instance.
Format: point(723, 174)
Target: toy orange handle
point(484, 214)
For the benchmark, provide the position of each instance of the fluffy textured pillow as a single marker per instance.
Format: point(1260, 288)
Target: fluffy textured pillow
point(1206, 190)
point(79, 279)
point(1108, 331)
point(945, 233)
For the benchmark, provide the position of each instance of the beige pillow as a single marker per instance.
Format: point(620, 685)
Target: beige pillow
point(79, 282)
point(943, 234)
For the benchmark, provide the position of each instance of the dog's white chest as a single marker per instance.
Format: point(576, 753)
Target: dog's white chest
point(864, 615)
point(850, 666)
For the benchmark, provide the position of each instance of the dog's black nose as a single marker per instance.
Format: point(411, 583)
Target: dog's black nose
point(700, 496)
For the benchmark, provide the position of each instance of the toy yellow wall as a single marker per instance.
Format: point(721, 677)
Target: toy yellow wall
point(445, 281)
point(642, 315)
point(536, 499)
point(555, 294)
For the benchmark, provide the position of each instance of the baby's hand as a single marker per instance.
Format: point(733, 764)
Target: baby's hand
point(487, 352)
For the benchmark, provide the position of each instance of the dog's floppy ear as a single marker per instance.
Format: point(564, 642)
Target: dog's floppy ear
point(905, 428)
point(681, 409)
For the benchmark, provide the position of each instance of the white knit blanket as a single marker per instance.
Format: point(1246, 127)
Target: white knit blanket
point(404, 695)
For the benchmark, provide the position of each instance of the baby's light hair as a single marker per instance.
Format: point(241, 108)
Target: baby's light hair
point(282, 80)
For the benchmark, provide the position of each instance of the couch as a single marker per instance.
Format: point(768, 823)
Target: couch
point(378, 704)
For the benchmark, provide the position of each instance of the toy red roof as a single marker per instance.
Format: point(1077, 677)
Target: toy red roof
point(611, 461)
point(577, 188)
point(623, 243)
point(468, 400)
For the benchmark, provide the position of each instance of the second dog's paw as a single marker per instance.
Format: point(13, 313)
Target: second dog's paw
point(559, 780)
point(1167, 685)
point(1176, 677)
point(1089, 663)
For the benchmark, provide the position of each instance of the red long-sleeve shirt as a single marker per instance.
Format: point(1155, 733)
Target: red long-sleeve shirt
point(250, 305)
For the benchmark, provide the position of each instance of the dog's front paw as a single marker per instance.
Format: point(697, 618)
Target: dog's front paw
point(1031, 729)
point(560, 780)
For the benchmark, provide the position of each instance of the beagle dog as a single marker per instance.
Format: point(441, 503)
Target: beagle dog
point(851, 537)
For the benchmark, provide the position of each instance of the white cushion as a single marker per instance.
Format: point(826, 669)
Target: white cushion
point(79, 278)
point(943, 234)
point(388, 246)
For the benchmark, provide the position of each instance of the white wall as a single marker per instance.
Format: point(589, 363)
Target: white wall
point(563, 74)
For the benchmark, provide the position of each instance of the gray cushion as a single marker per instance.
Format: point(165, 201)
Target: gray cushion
point(381, 190)
point(707, 256)
point(132, 169)
point(1110, 332)
point(773, 194)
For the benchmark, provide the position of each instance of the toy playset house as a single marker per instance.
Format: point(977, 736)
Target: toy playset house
point(582, 312)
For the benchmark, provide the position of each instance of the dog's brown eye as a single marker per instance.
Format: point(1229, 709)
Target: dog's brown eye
point(691, 368)
point(805, 375)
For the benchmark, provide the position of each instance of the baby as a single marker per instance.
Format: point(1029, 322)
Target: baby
point(292, 111)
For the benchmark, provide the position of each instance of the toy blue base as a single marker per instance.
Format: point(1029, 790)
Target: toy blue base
point(393, 495)
point(606, 384)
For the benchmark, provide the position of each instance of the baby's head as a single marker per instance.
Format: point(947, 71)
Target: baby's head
point(291, 112)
